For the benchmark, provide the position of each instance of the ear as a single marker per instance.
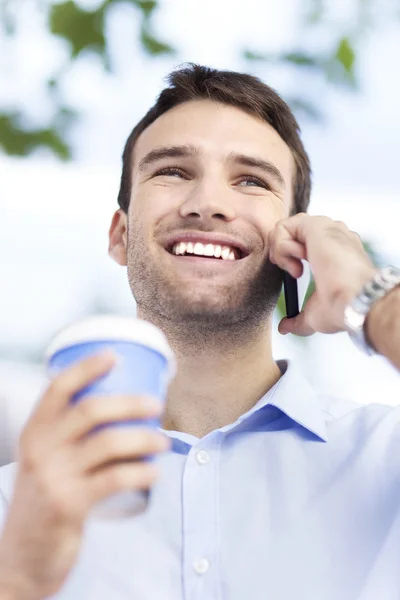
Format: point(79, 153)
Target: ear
point(118, 237)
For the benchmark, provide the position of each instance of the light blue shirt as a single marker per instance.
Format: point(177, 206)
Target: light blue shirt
point(298, 499)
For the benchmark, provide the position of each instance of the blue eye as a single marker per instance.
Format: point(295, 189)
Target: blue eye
point(254, 180)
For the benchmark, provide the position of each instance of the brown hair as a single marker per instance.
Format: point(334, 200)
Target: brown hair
point(195, 82)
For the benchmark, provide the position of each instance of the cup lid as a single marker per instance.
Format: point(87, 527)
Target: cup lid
point(105, 328)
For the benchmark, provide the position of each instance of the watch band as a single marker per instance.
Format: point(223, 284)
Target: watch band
point(356, 312)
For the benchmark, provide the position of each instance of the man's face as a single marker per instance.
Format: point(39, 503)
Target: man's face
point(207, 187)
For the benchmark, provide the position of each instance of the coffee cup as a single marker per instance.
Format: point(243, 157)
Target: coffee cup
point(146, 365)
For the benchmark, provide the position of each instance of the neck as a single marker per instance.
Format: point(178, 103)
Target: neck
point(220, 374)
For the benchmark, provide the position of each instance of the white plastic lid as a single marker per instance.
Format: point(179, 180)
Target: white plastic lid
point(113, 328)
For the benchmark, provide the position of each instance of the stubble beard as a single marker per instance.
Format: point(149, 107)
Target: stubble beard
point(204, 311)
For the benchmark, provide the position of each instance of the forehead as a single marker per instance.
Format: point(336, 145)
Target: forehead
point(217, 130)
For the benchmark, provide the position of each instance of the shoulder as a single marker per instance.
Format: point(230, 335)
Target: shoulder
point(340, 408)
point(374, 426)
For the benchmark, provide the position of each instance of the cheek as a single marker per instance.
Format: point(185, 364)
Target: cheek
point(266, 213)
point(147, 215)
point(152, 203)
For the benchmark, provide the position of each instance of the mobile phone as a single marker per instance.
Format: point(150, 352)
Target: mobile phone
point(291, 295)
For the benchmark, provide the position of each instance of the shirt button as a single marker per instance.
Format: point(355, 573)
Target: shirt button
point(201, 566)
point(202, 457)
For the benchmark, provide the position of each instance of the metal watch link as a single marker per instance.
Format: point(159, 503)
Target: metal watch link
point(356, 312)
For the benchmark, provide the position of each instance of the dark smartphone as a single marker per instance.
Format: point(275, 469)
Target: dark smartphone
point(291, 295)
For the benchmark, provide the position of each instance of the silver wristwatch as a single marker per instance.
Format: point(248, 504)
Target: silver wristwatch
point(357, 311)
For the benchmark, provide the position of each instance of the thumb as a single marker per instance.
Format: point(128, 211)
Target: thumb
point(296, 325)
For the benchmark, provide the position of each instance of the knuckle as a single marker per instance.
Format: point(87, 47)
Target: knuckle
point(59, 386)
point(341, 225)
point(88, 410)
point(118, 478)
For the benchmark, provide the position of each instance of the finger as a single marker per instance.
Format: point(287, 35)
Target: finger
point(287, 249)
point(119, 444)
point(296, 325)
point(294, 267)
point(287, 254)
point(123, 477)
point(93, 411)
point(71, 381)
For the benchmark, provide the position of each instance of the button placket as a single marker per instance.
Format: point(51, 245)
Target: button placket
point(200, 483)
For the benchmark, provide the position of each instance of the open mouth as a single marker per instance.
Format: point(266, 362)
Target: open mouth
point(220, 253)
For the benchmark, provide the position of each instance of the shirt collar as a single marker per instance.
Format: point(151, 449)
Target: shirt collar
point(294, 395)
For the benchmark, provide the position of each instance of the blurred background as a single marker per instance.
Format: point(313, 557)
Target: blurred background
point(75, 78)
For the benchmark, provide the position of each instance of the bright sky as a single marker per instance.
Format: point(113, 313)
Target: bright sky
point(54, 218)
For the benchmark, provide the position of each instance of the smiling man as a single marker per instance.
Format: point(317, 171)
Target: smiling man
point(216, 180)
point(265, 488)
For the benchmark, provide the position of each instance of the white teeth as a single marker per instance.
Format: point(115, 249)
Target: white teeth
point(225, 252)
point(217, 251)
point(198, 249)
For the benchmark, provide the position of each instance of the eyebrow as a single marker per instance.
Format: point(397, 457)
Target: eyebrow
point(264, 165)
point(187, 151)
point(167, 152)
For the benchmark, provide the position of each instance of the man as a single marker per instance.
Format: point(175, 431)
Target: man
point(264, 489)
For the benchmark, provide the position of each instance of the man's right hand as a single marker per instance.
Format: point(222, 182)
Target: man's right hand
point(63, 472)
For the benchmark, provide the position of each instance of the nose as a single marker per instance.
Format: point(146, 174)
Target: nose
point(208, 200)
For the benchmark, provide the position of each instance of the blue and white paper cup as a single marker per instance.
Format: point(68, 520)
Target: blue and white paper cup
point(146, 366)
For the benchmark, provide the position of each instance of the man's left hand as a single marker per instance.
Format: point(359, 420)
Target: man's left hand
point(339, 264)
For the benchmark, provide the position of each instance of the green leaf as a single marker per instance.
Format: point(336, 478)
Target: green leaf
point(146, 6)
point(346, 55)
point(82, 29)
point(17, 140)
point(153, 46)
point(300, 59)
point(250, 55)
